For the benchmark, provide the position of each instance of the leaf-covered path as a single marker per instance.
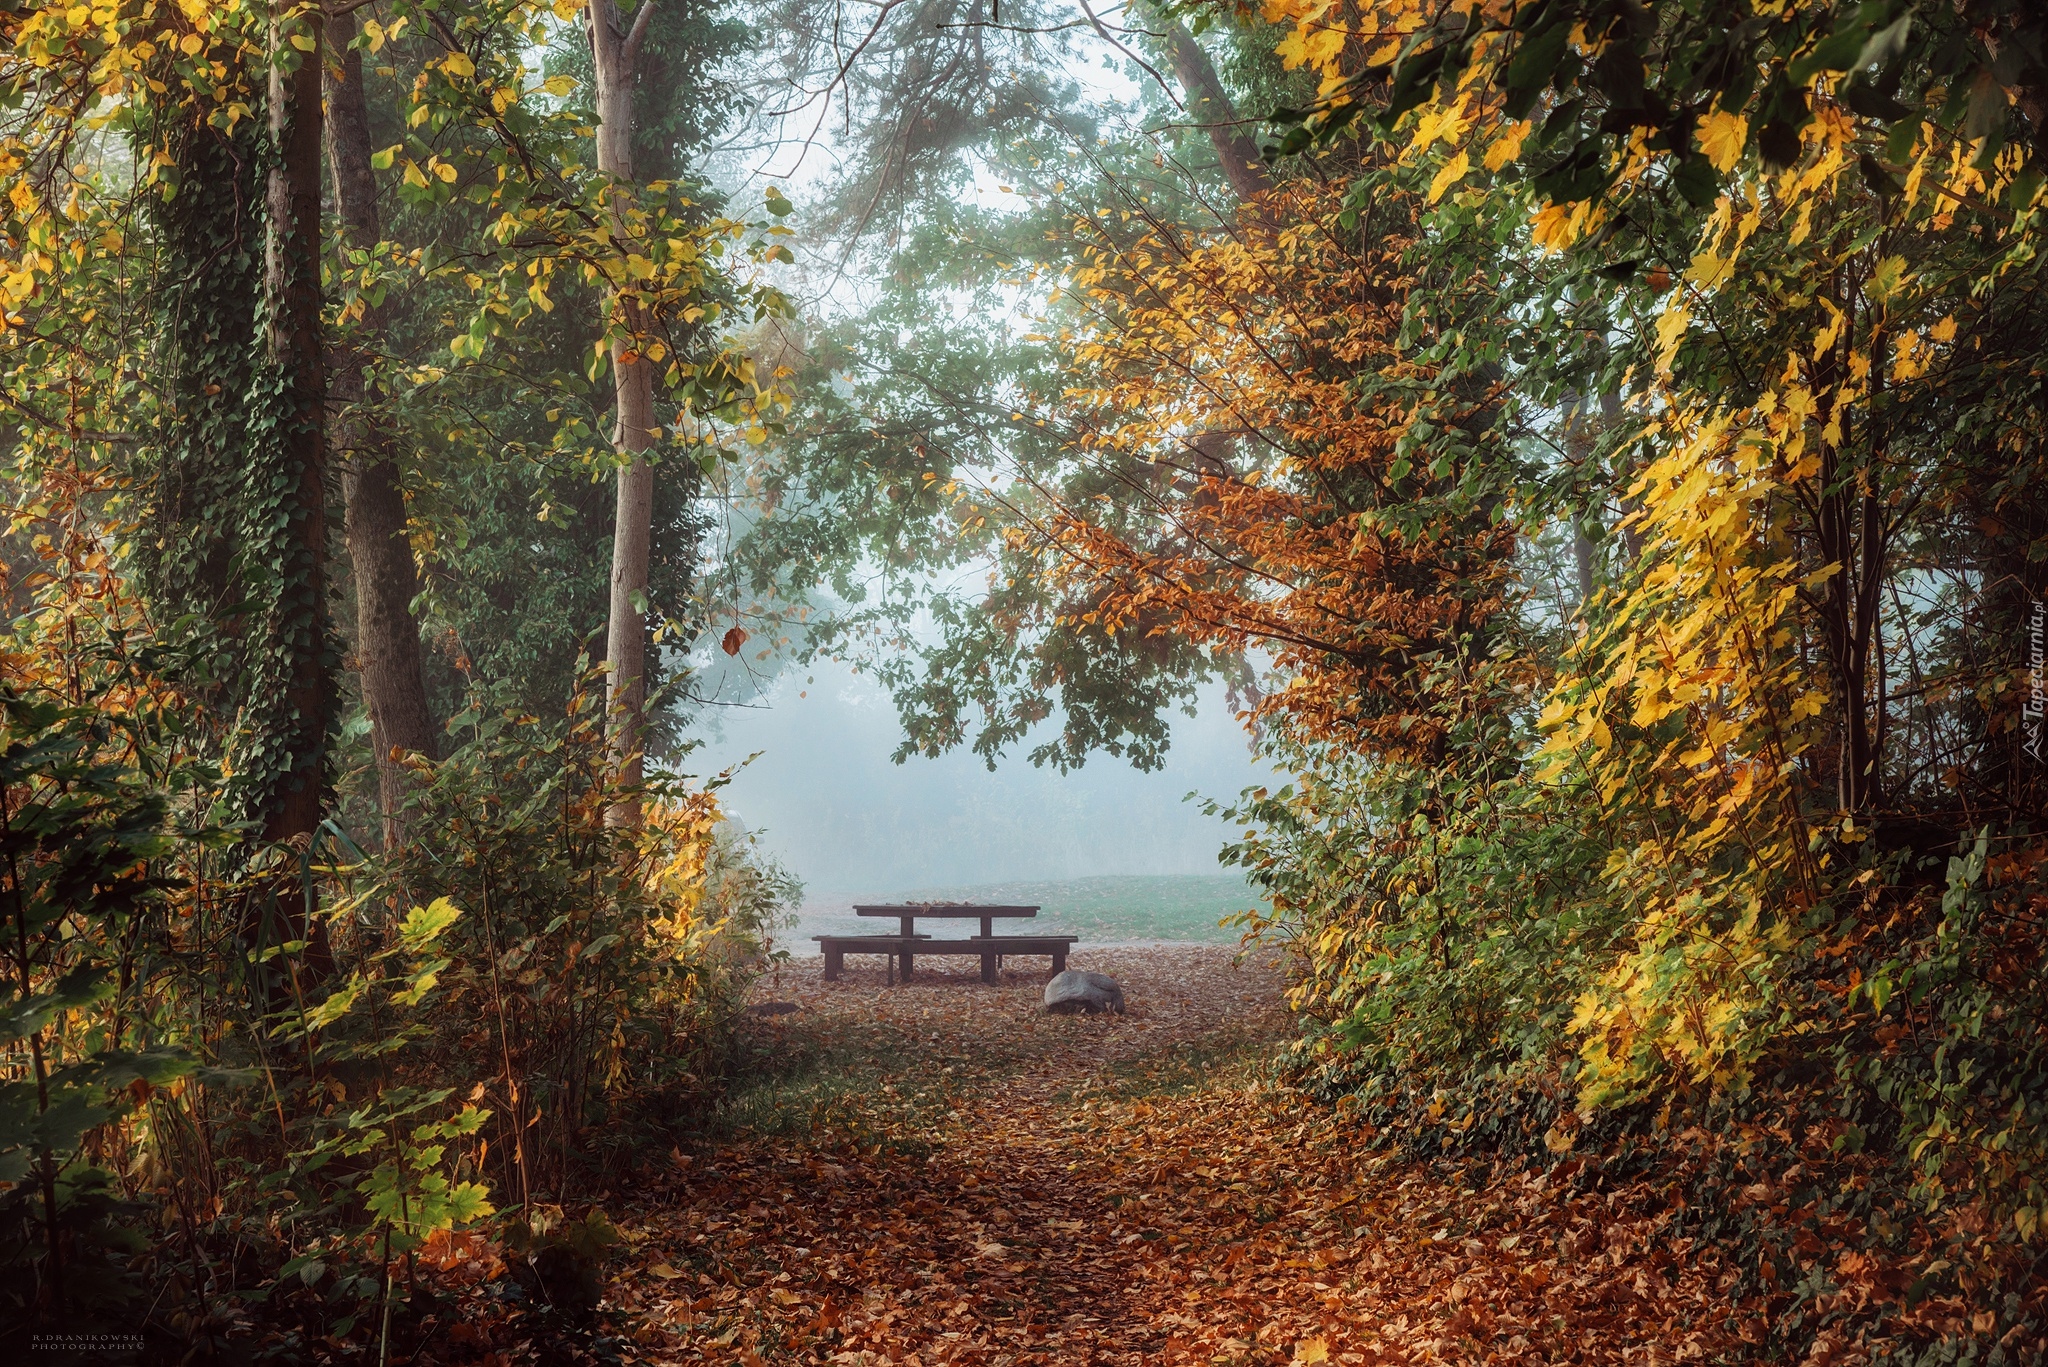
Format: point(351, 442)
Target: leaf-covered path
point(938, 1173)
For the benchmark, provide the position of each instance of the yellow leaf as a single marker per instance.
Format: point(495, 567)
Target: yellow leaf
point(1316, 1349)
point(1508, 145)
point(1670, 332)
point(445, 172)
point(1553, 226)
point(1721, 136)
point(665, 1272)
point(190, 44)
point(1889, 278)
point(1829, 335)
point(1453, 171)
point(458, 64)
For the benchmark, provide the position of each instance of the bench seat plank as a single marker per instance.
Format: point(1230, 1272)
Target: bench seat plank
point(990, 949)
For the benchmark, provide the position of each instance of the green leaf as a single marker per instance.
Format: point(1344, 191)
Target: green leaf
point(1880, 180)
point(1987, 106)
point(1887, 43)
point(337, 1004)
point(1533, 64)
point(425, 925)
point(1696, 181)
point(1840, 51)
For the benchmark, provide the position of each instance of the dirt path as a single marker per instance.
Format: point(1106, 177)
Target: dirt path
point(940, 1173)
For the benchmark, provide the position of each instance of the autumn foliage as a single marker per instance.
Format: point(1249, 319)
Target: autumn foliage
point(1601, 448)
point(1253, 398)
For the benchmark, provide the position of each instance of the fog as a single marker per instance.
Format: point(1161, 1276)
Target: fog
point(829, 803)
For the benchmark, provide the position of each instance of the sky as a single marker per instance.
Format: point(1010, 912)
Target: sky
point(833, 808)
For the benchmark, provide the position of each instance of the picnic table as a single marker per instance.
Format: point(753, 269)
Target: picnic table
point(903, 947)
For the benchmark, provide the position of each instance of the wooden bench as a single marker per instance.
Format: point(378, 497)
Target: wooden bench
point(909, 942)
point(990, 949)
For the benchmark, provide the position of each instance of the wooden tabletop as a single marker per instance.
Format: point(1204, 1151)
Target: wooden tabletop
point(909, 913)
point(957, 911)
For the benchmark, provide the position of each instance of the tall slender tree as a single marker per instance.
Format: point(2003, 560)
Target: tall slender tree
point(279, 752)
point(387, 643)
point(615, 52)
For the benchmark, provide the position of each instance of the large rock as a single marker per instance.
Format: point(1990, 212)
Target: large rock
point(1075, 991)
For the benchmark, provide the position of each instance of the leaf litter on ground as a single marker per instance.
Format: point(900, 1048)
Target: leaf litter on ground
point(996, 1185)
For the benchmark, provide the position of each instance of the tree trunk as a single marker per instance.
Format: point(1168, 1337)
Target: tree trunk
point(280, 751)
point(292, 284)
point(614, 52)
point(386, 580)
point(1210, 106)
point(1582, 561)
point(1851, 535)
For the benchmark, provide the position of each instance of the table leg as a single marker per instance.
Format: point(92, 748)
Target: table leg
point(906, 963)
point(835, 960)
point(1059, 960)
point(988, 967)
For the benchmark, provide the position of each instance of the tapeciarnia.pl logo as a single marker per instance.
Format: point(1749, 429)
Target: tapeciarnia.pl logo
point(2037, 677)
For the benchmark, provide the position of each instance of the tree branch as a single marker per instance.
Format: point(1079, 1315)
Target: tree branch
point(629, 55)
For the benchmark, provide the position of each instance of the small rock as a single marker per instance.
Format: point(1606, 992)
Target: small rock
point(1075, 991)
point(771, 1009)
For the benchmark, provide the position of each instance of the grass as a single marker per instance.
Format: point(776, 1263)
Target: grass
point(1229, 1056)
point(806, 1076)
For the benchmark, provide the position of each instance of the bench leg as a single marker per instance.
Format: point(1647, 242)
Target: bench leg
point(835, 960)
point(906, 963)
point(1059, 960)
point(988, 966)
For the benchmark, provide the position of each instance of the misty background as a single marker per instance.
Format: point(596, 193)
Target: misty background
point(1108, 852)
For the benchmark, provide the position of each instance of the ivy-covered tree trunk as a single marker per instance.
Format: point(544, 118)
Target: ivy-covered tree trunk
point(208, 218)
point(614, 52)
point(237, 559)
point(387, 644)
point(278, 754)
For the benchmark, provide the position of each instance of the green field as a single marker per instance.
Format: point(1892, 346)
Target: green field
point(1123, 908)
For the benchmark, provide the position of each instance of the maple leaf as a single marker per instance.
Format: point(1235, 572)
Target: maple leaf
point(1722, 137)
